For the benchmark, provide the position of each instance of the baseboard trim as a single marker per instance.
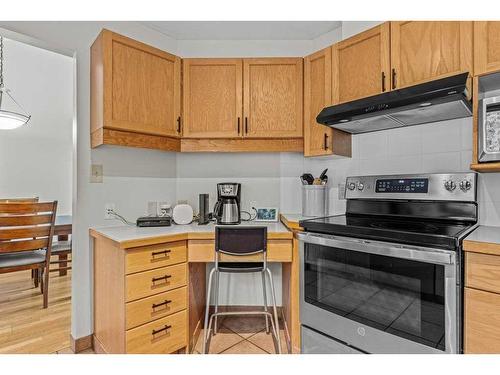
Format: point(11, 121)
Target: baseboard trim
point(80, 344)
point(98, 348)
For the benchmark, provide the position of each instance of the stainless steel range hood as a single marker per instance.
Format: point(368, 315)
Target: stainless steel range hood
point(439, 100)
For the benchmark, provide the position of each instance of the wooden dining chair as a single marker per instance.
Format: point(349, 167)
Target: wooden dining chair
point(26, 232)
point(19, 200)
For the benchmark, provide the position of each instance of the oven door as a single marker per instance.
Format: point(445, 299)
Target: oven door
point(380, 297)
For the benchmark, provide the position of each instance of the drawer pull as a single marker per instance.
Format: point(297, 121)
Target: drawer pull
point(156, 331)
point(165, 253)
point(156, 305)
point(165, 278)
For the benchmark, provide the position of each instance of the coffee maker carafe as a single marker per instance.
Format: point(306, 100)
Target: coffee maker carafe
point(227, 208)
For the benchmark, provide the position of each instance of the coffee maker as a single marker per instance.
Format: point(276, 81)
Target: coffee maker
point(227, 207)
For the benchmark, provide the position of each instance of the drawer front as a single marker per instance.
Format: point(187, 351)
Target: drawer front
point(482, 271)
point(148, 283)
point(158, 306)
point(204, 251)
point(482, 322)
point(155, 256)
point(162, 336)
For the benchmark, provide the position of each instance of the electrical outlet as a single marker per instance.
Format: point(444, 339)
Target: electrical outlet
point(341, 191)
point(108, 208)
point(96, 173)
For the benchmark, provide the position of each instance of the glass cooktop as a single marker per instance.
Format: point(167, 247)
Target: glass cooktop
point(403, 230)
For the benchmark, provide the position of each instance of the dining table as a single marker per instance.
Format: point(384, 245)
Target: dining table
point(62, 229)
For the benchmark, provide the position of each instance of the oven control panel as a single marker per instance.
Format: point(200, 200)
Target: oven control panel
point(437, 186)
point(403, 185)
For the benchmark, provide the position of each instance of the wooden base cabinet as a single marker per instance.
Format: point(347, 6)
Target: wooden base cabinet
point(140, 298)
point(482, 303)
point(135, 93)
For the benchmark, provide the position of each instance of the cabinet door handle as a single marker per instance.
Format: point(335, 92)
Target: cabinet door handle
point(165, 277)
point(162, 252)
point(156, 305)
point(239, 126)
point(246, 125)
point(325, 142)
point(179, 124)
point(393, 78)
point(383, 81)
point(165, 328)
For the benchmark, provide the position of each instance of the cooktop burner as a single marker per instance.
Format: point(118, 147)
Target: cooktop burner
point(403, 230)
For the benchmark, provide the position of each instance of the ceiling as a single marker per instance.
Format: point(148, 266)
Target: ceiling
point(243, 30)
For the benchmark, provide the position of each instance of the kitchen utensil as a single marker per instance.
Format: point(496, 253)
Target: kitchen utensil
point(323, 174)
point(308, 177)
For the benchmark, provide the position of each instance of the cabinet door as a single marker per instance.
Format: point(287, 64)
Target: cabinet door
point(212, 98)
point(426, 50)
point(482, 322)
point(272, 97)
point(141, 87)
point(317, 95)
point(361, 65)
point(486, 47)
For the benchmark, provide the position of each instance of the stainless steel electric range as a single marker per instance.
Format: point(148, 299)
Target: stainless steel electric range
point(386, 276)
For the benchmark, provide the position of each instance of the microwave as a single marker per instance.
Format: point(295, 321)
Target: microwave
point(489, 129)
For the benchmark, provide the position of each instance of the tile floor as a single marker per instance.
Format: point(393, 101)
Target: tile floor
point(242, 335)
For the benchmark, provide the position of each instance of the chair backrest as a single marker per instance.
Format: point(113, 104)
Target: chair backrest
point(26, 226)
point(241, 240)
point(19, 200)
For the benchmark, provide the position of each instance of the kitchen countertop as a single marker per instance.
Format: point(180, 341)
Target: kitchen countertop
point(292, 220)
point(128, 236)
point(485, 239)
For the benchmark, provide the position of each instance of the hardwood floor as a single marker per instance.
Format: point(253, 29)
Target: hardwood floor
point(25, 327)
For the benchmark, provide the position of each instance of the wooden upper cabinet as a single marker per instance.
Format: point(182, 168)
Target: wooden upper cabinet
point(135, 87)
point(426, 50)
point(272, 92)
point(212, 98)
point(486, 47)
point(361, 65)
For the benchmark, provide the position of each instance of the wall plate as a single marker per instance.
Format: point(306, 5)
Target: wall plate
point(96, 173)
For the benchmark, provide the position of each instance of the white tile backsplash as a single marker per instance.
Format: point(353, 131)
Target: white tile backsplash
point(273, 179)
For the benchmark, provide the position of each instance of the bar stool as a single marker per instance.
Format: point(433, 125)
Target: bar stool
point(240, 241)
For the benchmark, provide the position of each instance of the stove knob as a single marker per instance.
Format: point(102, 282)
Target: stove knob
point(450, 185)
point(361, 186)
point(465, 185)
point(351, 186)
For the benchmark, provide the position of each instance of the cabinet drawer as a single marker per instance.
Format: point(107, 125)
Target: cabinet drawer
point(155, 307)
point(482, 271)
point(155, 256)
point(148, 283)
point(482, 322)
point(164, 335)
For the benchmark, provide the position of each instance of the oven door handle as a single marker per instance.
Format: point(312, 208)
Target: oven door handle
point(421, 254)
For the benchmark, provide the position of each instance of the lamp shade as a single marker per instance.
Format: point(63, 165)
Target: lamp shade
point(12, 120)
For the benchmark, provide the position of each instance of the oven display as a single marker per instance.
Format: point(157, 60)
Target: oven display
point(409, 185)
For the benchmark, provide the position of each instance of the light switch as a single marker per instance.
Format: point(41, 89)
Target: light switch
point(96, 173)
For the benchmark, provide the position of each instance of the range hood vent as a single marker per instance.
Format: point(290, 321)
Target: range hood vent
point(439, 100)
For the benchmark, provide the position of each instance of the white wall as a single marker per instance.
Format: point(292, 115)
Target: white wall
point(36, 159)
point(350, 28)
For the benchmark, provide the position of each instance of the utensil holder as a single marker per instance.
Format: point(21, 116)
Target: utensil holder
point(314, 200)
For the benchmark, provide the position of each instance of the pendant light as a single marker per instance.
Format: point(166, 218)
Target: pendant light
point(9, 119)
